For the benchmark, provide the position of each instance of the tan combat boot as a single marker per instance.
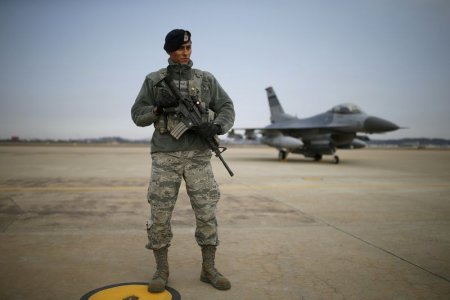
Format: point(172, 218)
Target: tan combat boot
point(158, 283)
point(209, 272)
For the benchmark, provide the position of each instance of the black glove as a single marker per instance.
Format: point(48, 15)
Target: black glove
point(208, 130)
point(166, 100)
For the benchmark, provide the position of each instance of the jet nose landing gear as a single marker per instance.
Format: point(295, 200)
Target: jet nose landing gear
point(282, 155)
point(336, 159)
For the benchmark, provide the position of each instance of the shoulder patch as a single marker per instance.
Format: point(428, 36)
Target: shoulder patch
point(158, 75)
point(198, 73)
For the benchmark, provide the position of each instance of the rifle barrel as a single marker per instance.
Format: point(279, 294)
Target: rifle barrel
point(225, 164)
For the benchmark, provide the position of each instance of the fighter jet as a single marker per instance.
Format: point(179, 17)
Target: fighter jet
point(318, 135)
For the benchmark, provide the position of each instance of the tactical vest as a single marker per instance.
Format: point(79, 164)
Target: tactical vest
point(170, 122)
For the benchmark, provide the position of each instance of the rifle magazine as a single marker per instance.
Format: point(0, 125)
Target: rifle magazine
point(178, 130)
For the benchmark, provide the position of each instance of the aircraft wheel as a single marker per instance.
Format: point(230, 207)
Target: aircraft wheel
point(318, 157)
point(336, 159)
point(282, 155)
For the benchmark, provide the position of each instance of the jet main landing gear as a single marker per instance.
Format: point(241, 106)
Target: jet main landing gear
point(318, 157)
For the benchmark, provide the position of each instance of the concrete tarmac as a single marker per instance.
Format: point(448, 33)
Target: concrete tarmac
point(375, 226)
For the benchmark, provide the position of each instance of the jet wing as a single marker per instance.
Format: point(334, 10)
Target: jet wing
point(292, 128)
point(308, 127)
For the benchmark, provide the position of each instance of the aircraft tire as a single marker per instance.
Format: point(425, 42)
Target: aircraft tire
point(336, 159)
point(318, 157)
point(282, 155)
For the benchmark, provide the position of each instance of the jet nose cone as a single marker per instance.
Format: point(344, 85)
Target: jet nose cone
point(374, 124)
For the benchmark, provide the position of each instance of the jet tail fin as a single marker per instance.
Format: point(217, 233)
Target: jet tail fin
point(276, 110)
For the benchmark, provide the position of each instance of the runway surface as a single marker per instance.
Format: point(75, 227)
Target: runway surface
point(375, 226)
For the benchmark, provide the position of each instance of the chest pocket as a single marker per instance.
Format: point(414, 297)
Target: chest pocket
point(199, 88)
point(195, 88)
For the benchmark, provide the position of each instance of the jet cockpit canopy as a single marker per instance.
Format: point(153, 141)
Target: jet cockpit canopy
point(346, 108)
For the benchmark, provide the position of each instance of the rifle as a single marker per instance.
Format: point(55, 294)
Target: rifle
point(190, 113)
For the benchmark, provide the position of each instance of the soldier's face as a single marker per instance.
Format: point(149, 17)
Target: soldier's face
point(183, 54)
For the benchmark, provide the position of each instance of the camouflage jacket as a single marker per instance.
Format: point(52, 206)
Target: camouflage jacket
point(212, 94)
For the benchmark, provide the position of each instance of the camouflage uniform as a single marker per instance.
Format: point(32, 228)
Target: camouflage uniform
point(167, 171)
point(185, 158)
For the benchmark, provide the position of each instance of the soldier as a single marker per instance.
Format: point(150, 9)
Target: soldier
point(187, 156)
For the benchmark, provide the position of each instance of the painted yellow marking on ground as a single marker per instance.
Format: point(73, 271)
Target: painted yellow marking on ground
point(312, 178)
point(72, 188)
point(127, 291)
point(293, 185)
point(353, 186)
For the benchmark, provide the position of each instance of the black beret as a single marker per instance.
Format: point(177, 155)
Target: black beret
point(175, 39)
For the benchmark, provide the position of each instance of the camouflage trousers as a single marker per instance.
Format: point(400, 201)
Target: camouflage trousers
point(168, 170)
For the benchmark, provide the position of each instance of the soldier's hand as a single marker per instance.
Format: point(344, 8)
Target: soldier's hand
point(166, 100)
point(208, 130)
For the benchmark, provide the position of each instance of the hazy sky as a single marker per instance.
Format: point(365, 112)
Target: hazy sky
point(72, 69)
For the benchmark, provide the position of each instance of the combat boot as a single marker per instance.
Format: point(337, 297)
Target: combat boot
point(209, 272)
point(158, 283)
